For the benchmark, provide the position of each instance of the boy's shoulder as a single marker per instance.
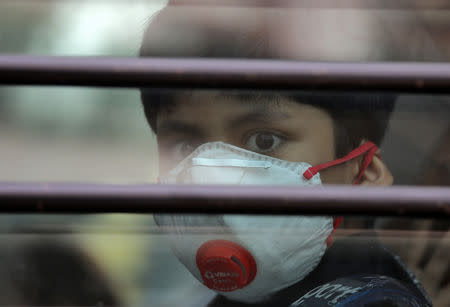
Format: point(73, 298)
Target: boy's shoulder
point(362, 290)
point(355, 271)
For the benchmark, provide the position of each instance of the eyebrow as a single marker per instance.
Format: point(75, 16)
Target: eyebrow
point(263, 115)
point(175, 126)
point(265, 107)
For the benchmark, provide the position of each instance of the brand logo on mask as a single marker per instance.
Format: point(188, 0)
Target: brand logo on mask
point(216, 275)
point(225, 265)
point(222, 281)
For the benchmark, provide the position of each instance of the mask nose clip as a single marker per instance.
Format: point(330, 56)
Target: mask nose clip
point(225, 266)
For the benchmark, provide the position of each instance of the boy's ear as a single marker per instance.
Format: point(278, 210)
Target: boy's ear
point(376, 174)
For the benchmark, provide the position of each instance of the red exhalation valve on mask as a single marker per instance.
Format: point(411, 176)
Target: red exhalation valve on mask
point(225, 265)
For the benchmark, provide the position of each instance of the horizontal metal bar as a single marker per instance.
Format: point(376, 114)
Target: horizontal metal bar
point(420, 202)
point(321, 4)
point(224, 74)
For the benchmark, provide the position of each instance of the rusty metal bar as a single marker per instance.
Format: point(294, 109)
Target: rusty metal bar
point(422, 202)
point(224, 74)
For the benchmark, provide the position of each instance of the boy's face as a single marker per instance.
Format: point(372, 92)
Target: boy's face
point(276, 126)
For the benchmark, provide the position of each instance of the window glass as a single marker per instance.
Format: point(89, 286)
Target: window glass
point(95, 135)
point(358, 30)
point(75, 135)
point(126, 260)
point(74, 27)
point(132, 136)
point(89, 135)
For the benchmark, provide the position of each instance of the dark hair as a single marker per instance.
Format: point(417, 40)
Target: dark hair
point(356, 116)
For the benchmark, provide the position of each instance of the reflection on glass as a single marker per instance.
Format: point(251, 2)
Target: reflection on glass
point(111, 136)
point(128, 260)
point(357, 30)
point(223, 137)
point(235, 137)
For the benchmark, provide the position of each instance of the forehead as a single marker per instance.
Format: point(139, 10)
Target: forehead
point(223, 100)
point(226, 105)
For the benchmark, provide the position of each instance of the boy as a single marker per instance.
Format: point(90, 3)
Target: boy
point(272, 138)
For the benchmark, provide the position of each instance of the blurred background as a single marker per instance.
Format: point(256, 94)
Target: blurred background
point(99, 135)
point(74, 134)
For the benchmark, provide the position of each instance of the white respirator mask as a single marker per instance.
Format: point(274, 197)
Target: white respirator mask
point(247, 258)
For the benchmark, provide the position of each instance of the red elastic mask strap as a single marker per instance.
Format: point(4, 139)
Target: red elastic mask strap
point(336, 222)
point(368, 148)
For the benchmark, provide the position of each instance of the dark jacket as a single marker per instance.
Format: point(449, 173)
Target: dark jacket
point(355, 271)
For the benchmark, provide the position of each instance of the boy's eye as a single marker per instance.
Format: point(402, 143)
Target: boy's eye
point(263, 141)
